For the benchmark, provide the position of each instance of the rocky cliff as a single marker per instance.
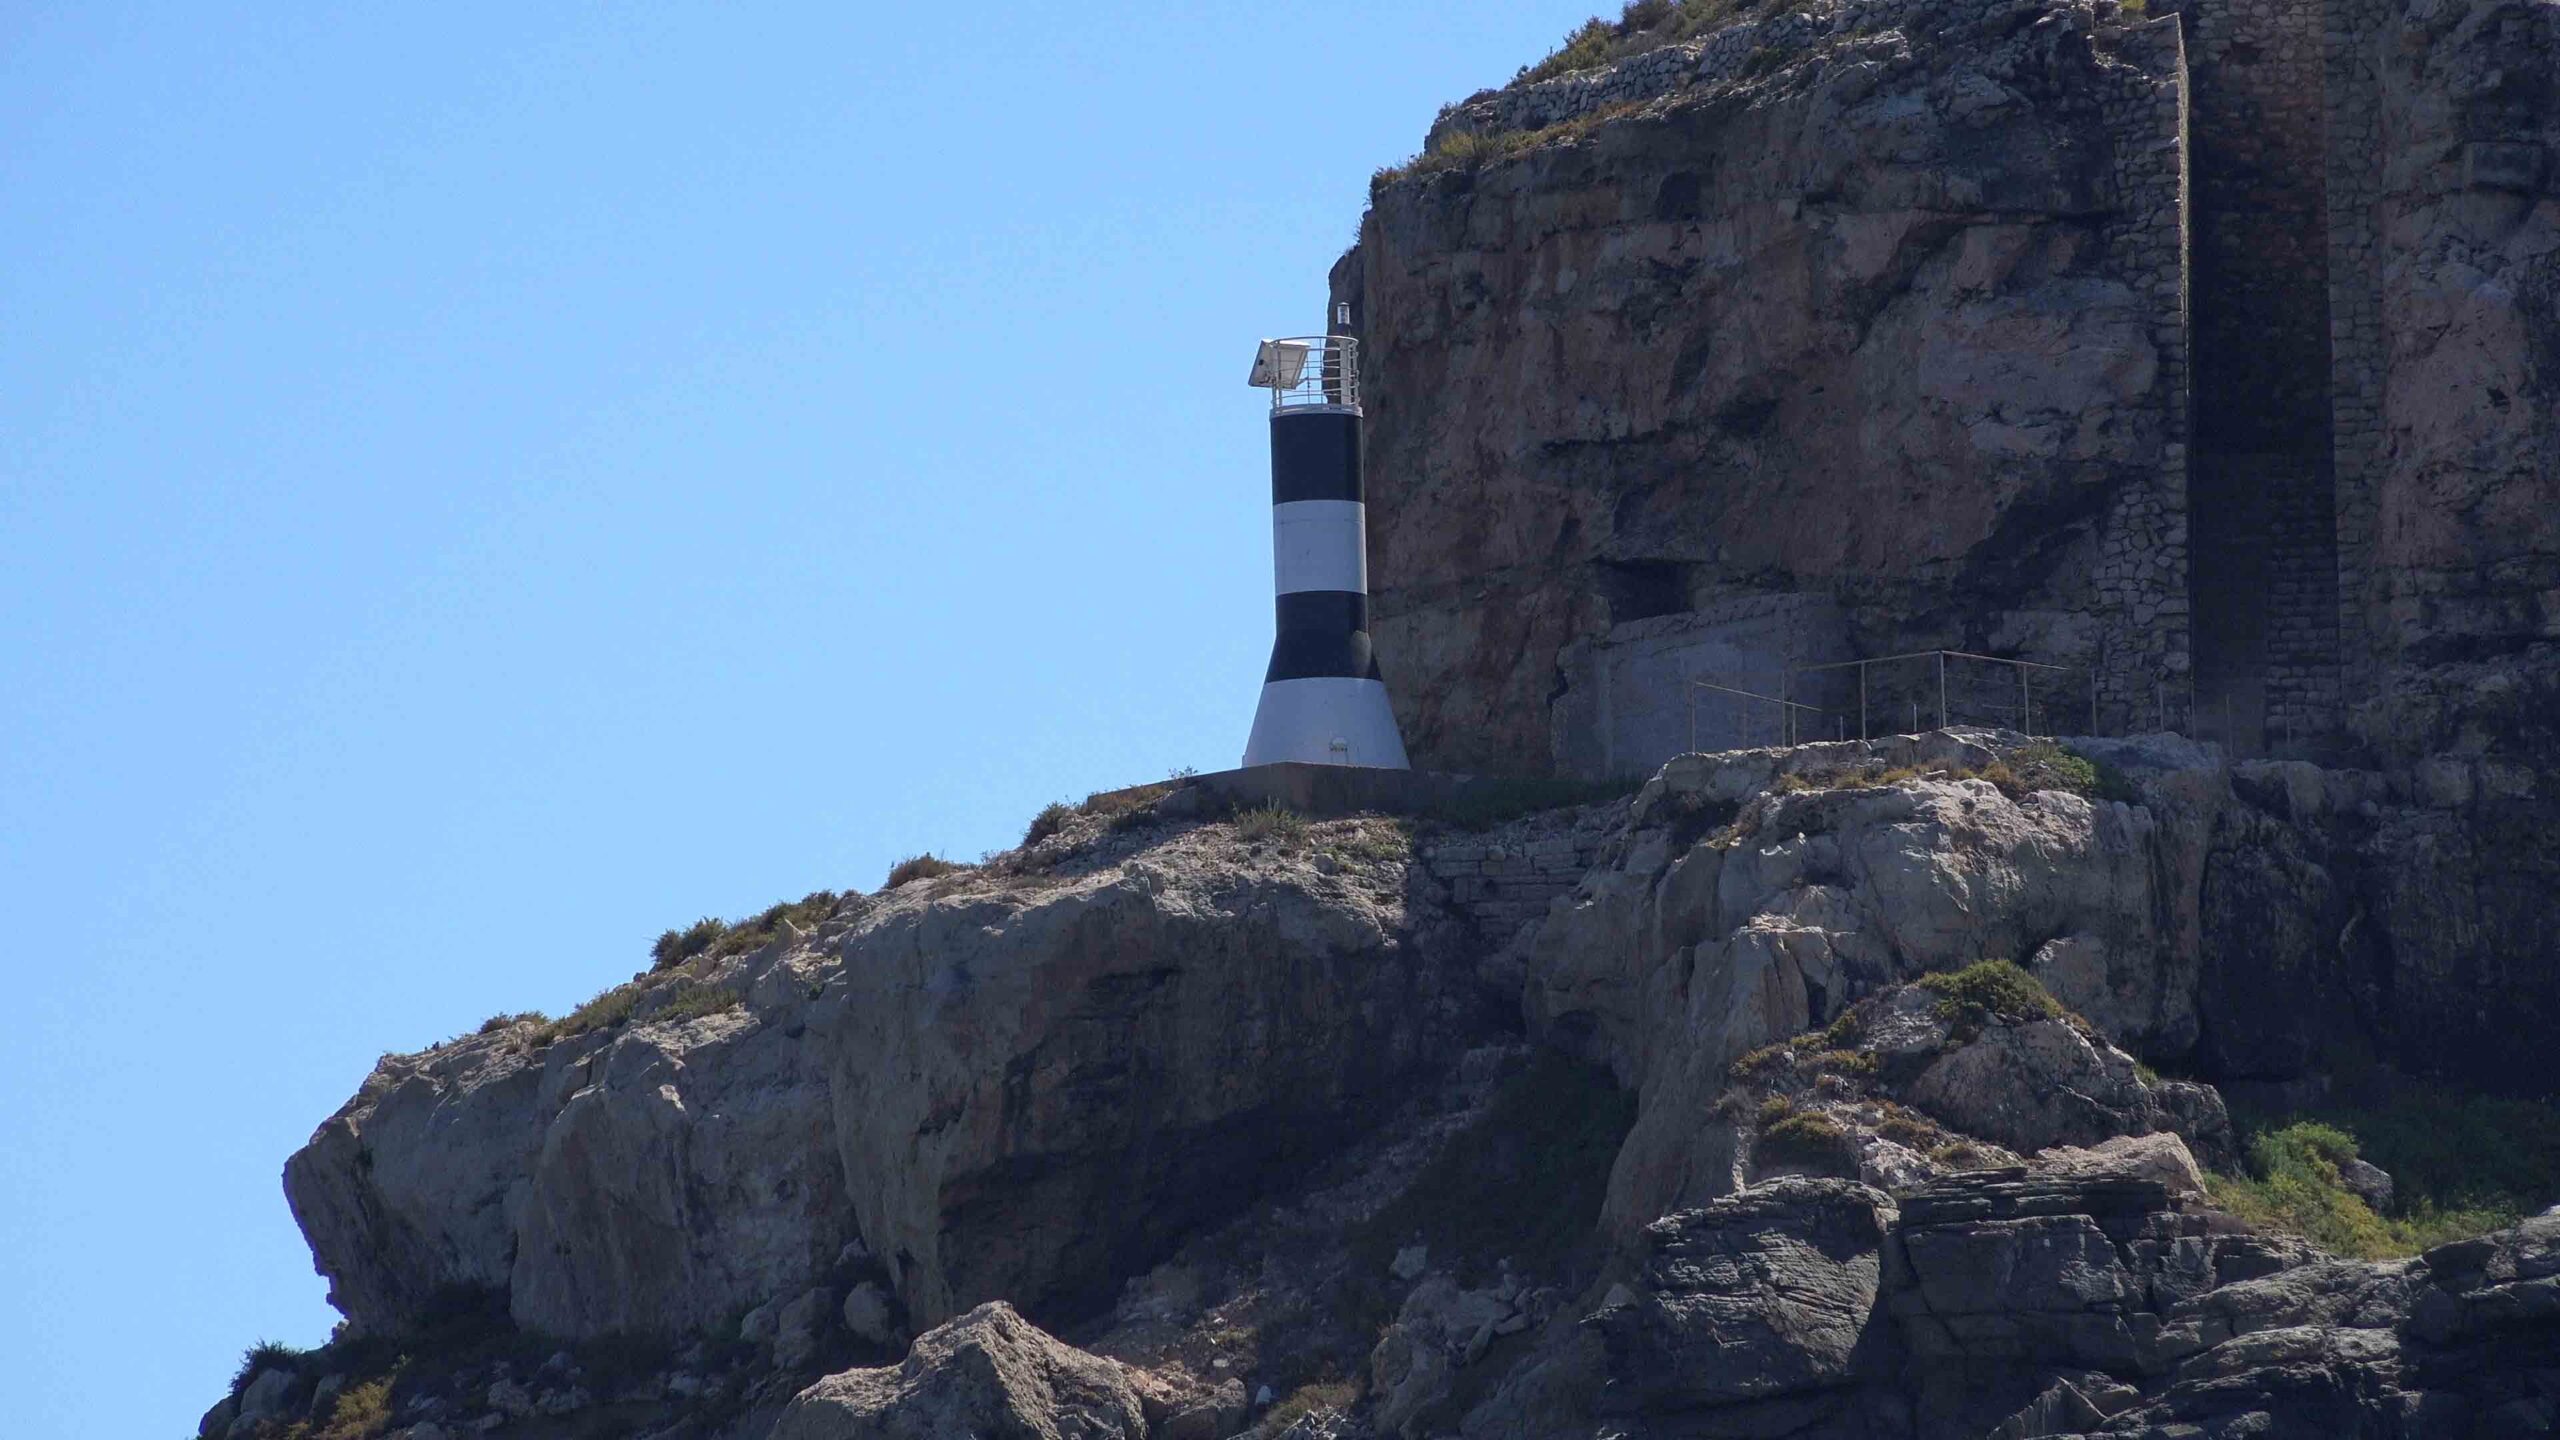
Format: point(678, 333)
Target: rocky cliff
point(2205, 350)
point(1817, 1104)
point(1954, 1083)
point(1912, 268)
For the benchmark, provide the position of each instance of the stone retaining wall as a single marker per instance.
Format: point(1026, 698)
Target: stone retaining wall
point(1504, 878)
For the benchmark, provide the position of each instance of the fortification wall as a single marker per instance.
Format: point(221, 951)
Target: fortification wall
point(2352, 99)
point(2260, 491)
point(2142, 604)
point(1504, 879)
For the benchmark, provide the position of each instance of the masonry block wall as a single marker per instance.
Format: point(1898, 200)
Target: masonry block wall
point(2261, 485)
point(1504, 878)
point(2352, 96)
point(2143, 583)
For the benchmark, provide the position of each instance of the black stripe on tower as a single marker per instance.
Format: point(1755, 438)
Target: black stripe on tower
point(1324, 634)
point(1315, 456)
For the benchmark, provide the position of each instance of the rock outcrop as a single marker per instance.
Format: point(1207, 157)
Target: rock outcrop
point(1757, 894)
point(990, 1374)
point(1225, 1109)
point(1001, 1086)
point(2023, 1305)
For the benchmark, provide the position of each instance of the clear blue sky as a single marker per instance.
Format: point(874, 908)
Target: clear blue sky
point(481, 485)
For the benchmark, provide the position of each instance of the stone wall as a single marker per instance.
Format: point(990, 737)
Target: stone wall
point(1628, 700)
point(2143, 595)
point(2260, 493)
point(2352, 99)
point(1502, 879)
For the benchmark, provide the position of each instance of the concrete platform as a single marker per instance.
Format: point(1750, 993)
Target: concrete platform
point(1325, 791)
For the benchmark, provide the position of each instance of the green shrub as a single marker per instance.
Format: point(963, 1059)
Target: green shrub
point(2044, 765)
point(1053, 817)
point(692, 1000)
point(1903, 1127)
point(2458, 1149)
point(1589, 44)
point(362, 1412)
point(754, 934)
point(1371, 838)
point(674, 947)
point(1277, 824)
point(1961, 1155)
point(918, 867)
point(1991, 990)
point(1805, 1136)
point(2461, 1164)
point(265, 1355)
point(1856, 1063)
point(1763, 1061)
point(1470, 150)
point(1127, 808)
point(2297, 1188)
point(2295, 1185)
point(604, 1012)
point(496, 1023)
point(1313, 1396)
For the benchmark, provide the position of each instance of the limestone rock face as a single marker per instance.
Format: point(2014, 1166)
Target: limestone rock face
point(1745, 906)
point(1900, 266)
point(1034, 1089)
point(409, 1190)
point(2464, 522)
point(989, 1373)
point(689, 1175)
point(1011, 1086)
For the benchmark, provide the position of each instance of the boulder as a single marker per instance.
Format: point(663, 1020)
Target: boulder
point(2029, 1086)
point(270, 1395)
point(989, 1374)
point(2161, 1159)
point(870, 1315)
point(800, 1328)
point(1762, 1294)
point(1440, 1328)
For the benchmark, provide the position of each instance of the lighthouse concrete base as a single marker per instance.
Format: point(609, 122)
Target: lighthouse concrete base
point(1325, 720)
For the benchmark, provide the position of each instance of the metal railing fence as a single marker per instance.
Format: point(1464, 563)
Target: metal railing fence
point(1792, 716)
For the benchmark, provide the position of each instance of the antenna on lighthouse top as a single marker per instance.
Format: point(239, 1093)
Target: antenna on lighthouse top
point(1309, 372)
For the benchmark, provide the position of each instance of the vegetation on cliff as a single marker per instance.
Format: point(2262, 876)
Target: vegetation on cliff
point(1643, 25)
point(2459, 1163)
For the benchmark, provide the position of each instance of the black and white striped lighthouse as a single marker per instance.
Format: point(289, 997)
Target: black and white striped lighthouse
point(1322, 700)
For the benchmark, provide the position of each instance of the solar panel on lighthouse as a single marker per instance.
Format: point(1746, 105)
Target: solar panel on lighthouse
point(1322, 699)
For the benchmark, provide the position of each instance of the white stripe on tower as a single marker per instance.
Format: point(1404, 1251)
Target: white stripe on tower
point(1320, 545)
point(1322, 699)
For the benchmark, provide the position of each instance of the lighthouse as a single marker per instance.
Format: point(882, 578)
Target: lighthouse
point(1322, 700)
